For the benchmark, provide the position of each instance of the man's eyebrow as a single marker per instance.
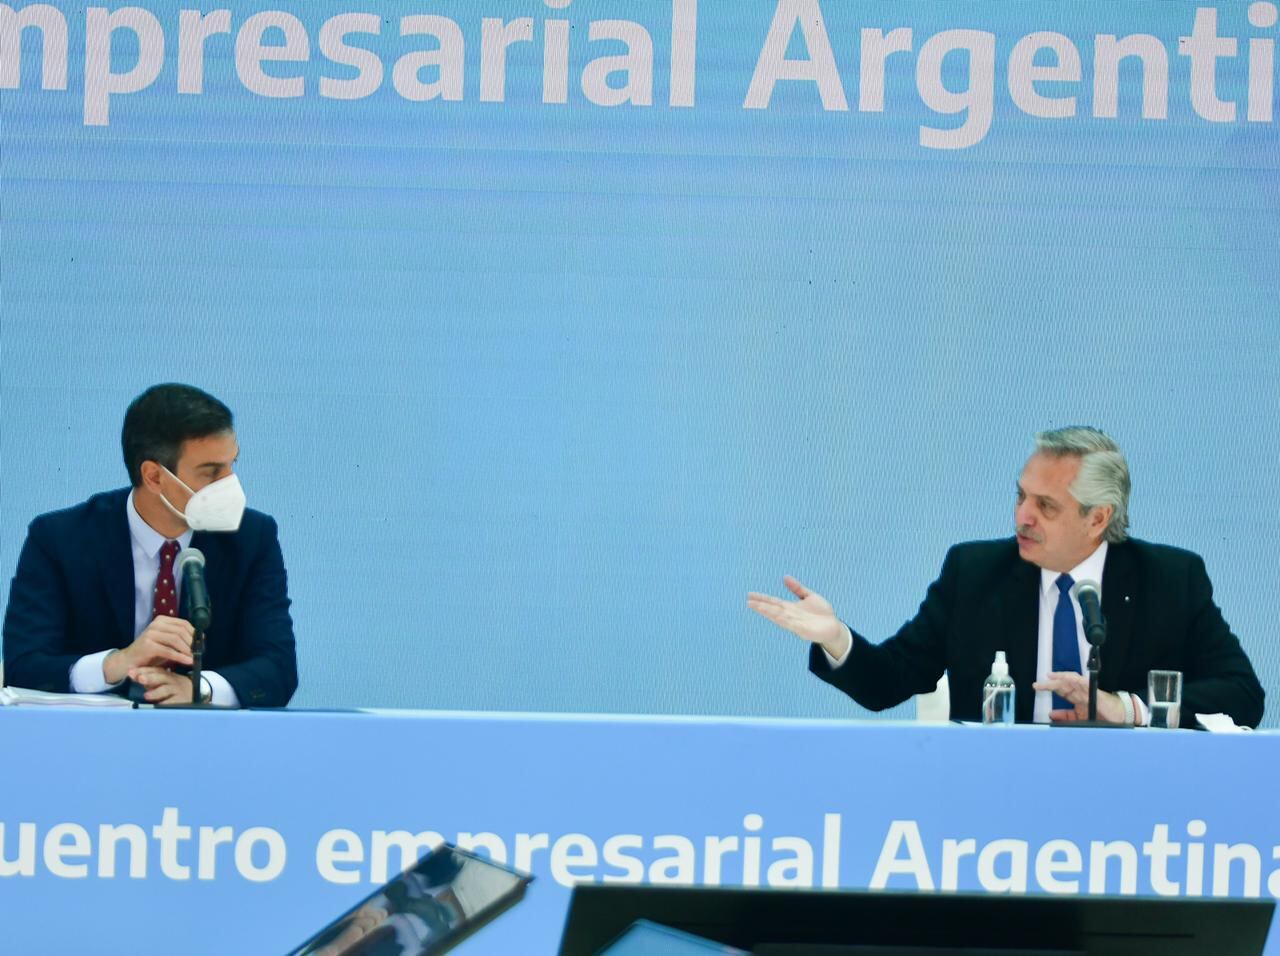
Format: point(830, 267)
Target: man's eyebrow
point(1043, 499)
point(219, 464)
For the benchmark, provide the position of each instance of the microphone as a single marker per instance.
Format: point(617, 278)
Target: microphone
point(1090, 599)
point(190, 563)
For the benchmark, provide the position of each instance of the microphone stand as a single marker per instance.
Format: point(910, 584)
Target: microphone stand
point(197, 665)
point(1095, 665)
point(200, 614)
point(1096, 637)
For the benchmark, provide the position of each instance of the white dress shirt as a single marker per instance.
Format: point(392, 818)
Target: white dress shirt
point(1090, 569)
point(86, 673)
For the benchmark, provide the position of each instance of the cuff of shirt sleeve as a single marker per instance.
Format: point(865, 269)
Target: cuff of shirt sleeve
point(86, 674)
point(221, 691)
point(835, 662)
point(1141, 718)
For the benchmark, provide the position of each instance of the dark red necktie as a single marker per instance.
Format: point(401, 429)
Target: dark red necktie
point(165, 600)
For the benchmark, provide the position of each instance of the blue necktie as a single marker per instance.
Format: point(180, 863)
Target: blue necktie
point(1066, 645)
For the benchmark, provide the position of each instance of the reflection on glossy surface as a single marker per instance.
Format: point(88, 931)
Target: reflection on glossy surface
point(424, 906)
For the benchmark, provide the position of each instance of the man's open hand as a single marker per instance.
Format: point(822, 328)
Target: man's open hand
point(811, 617)
point(1075, 688)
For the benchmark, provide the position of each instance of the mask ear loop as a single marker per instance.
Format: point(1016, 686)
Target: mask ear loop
point(176, 512)
point(188, 488)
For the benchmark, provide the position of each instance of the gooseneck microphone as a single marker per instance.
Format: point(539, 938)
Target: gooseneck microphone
point(1089, 598)
point(190, 563)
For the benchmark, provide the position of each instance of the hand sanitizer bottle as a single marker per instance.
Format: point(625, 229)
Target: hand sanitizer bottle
point(997, 694)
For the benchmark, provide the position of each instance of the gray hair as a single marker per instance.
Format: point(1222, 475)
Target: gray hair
point(1103, 477)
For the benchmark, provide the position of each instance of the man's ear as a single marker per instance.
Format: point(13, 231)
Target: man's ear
point(1099, 518)
point(150, 472)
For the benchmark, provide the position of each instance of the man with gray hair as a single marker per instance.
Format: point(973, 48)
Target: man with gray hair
point(1071, 524)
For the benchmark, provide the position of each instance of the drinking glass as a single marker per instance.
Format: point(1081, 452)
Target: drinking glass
point(1164, 698)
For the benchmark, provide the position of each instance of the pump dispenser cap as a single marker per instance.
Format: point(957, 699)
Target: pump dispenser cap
point(1000, 667)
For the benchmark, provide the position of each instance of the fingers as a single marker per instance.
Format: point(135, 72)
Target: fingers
point(774, 611)
point(166, 640)
point(781, 613)
point(153, 656)
point(1071, 687)
point(795, 587)
point(149, 677)
point(1074, 688)
point(159, 695)
point(1068, 684)
point(1072, 676)
point(174, 692)
point(177, 627)
point(166, 647)
point(162, 686)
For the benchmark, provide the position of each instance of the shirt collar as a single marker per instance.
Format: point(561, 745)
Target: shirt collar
point(1090, 569)
point(146, 538)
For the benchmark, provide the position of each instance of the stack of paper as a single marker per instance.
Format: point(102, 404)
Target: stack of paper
point(20, 696)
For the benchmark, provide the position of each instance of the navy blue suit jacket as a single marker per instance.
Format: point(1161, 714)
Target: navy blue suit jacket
point(1157, 601)
point(73, 594)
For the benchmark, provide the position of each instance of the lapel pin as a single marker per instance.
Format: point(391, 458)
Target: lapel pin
point(1126, 599)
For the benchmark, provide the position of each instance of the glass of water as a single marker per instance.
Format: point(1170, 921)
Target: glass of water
point(1164, 698)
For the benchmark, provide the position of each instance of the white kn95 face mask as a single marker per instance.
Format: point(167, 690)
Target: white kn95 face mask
point(218, 506)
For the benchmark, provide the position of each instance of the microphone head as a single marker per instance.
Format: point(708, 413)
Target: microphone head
point(1078, 590)
point(189, 556)
point(1090, 600)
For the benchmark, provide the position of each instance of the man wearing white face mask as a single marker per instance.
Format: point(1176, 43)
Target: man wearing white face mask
point(96, 602)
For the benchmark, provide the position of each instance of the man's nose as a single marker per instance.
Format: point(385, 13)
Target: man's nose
point(1023, 515)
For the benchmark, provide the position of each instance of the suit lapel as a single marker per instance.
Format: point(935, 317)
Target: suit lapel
point(1021, 635)
point(1118, 584)
point(115, 558)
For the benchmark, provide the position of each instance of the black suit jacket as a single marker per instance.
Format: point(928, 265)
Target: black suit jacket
point(1159, 608)
point(73, 594)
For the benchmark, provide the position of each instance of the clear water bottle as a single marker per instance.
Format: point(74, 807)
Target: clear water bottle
point(997, 693)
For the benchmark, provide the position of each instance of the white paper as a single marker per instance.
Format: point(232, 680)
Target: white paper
point(22, 697)
point(1220, 724)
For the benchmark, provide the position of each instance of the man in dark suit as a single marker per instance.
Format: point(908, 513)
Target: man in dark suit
point(1013, 595)
point(94, 605)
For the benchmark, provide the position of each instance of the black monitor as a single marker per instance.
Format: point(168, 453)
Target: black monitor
point(428, 909)
point(645, 938)
point(774, 922)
